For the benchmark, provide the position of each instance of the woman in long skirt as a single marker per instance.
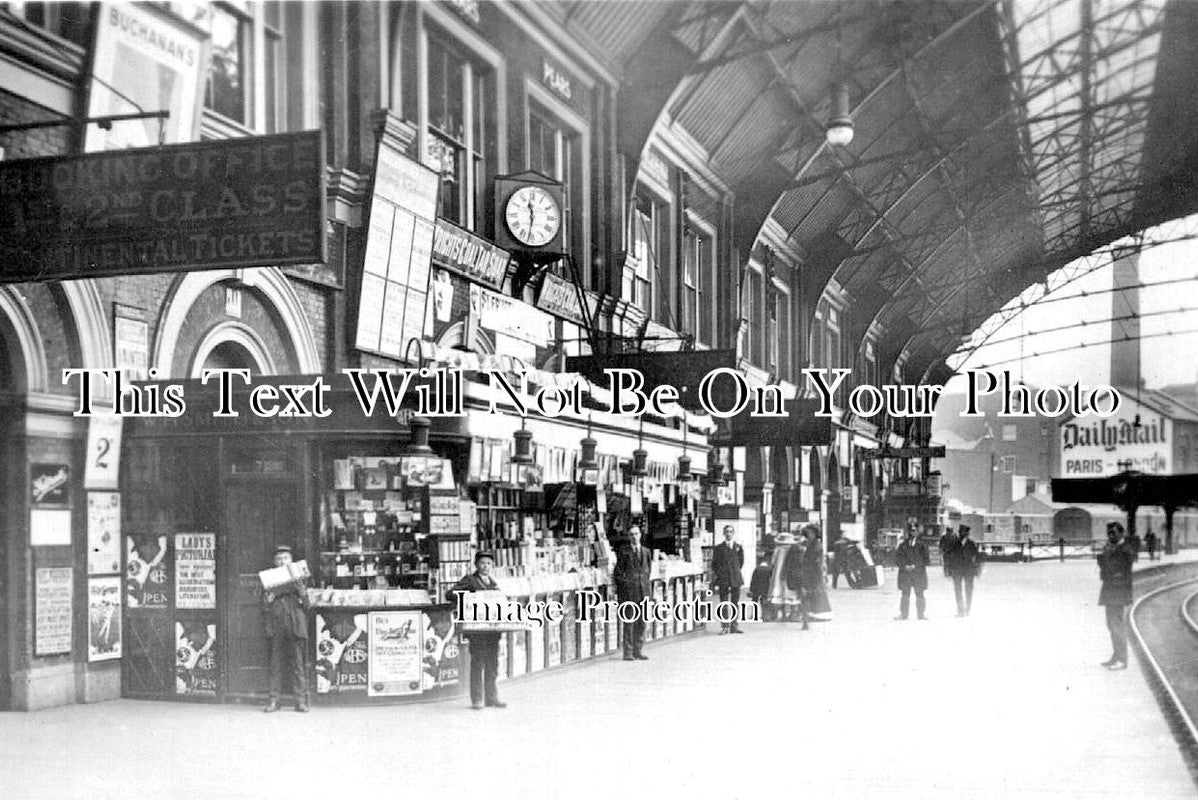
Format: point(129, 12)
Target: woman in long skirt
point(784, 594)
point(814, 591)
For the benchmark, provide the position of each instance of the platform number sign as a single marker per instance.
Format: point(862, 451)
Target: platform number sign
point(103, 452)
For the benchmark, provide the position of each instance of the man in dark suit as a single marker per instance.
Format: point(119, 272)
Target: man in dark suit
point(633, 585)
point(484, 645)
point(285, 615)
point(911, 558)
point(1114, 569)
point(963, 564)
point(727, 562)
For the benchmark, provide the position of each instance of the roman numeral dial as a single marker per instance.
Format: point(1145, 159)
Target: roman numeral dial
point(533, 216)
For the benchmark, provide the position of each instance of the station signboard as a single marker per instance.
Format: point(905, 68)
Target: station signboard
point(233, 203)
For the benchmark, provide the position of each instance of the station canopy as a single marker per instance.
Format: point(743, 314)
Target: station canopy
point(994, 142)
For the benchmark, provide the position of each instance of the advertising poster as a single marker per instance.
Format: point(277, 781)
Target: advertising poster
point(49, 485)
point(1135, 438)
point(103, 618)
point(49, 526)
point(195, 570)
point(147, 579)
point(195, 659)
point(53, 588)
point(342, 652)
point(396, 661)
point(442, 656)
point(145, 60)
point(103, 533)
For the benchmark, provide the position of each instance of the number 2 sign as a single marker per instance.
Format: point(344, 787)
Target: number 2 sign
point(103, 452)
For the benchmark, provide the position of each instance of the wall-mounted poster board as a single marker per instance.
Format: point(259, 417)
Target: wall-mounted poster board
point(103, 618)
point(396, 267)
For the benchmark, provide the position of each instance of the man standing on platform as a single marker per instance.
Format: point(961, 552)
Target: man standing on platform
point(911, 558)
point(726, 564)
point(1114, 569)
point(631, 576)
point(963, 564)
point(285, 611)
point(484, 645)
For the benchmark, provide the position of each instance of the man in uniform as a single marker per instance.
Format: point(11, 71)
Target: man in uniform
point(1114, 569)
point(484, 645)
point(631, 576)
point(285, 610)
point(911, 558)
point(727, 561)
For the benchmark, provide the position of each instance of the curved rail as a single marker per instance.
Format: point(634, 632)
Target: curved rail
point(1178, 710)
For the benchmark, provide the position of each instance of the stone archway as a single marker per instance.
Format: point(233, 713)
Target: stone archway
point(275, 289)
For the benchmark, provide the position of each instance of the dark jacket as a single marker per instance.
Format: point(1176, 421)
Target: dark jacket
point(811, 566)
point(476, 583)
point(963, 560)
point(792, 567)
point(759, 584)
point(1114, 568)
point(913, 555)
point(284, 611)
point(726, 565)
point(631, 574)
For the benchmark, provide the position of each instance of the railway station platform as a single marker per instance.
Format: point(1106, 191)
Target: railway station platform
point(1008, 703)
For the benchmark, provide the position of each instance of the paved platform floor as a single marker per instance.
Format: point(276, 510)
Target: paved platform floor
point(1010, 703)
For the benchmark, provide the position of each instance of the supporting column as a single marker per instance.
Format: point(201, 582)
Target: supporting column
point(1169, 549)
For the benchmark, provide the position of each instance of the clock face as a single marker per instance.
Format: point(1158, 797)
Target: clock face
point(533, 216)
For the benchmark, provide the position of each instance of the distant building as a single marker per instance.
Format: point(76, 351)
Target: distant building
point(991, 461)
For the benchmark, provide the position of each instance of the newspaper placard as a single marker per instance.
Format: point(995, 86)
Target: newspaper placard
point(396, 661)
point(275, 577)
point(195, 570)
point(52, 610)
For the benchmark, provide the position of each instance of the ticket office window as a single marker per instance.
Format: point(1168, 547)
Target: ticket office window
point(460, 93)
point(556, 147)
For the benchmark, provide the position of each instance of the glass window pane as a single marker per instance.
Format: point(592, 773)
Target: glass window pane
point(226, 76)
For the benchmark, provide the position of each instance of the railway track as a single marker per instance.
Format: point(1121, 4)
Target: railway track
point(1164, 628)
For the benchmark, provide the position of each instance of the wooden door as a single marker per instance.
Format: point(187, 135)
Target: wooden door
point(259, 514)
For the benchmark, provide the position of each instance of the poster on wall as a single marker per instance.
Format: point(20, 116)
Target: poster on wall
point(341, 652)
point(397, 263)
point(53, 587)
point(103, 533)
point(195, 659)
point(396, 659)
point(145, 60)
point(103, 618)
point(49, 485)
point(147, 580)
point(102, 470)
point(195, 570)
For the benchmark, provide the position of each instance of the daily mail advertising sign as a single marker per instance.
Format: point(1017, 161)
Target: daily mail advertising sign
point(1095, 447)
point(207, 205)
